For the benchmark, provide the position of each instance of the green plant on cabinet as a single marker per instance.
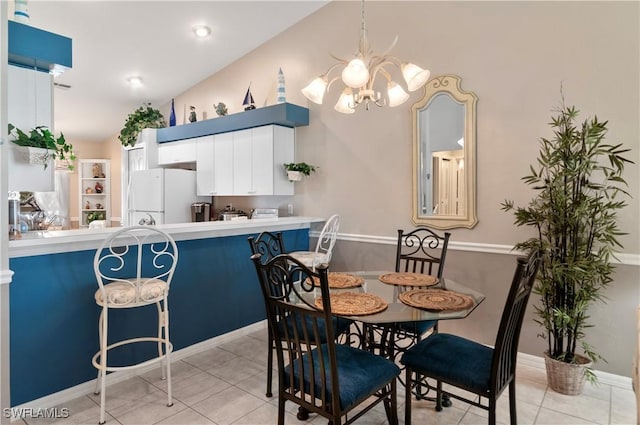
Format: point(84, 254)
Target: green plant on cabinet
point(143, 117)
point(41, 137)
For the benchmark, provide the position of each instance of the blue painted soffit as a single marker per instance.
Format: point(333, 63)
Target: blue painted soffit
point(31, 47)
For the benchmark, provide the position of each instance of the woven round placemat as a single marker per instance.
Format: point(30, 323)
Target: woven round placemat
point(354, 303)
point(436, 299)
point(408, 279)
point(338, 280)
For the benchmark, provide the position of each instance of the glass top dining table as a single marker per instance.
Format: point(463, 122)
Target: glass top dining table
point(399, 312)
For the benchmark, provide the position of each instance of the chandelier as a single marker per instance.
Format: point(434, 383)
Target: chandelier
point(359, 75)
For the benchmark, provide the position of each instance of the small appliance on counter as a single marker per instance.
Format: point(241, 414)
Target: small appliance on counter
point(201, 211)
point(258, 213)
point(229, 213)
point(14, 217)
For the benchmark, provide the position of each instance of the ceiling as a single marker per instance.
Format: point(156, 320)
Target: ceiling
point(113, 40)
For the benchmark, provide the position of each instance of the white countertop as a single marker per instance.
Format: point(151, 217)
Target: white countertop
point(57, 241)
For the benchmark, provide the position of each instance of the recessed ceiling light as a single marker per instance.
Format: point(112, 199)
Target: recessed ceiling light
point(201, 31)
point(135, 81)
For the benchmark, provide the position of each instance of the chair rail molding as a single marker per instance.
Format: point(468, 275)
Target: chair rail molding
point(5, 277)
point(488, 248)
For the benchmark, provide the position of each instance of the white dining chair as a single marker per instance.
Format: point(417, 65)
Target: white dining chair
point(134, 268)
point(324, 246)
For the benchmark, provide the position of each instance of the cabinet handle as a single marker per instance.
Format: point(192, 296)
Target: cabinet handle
point(251, 192)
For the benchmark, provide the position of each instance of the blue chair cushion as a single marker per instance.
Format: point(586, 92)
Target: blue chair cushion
point(360, 373)
point(417, 328)
point(452, 359)
point(340, 326)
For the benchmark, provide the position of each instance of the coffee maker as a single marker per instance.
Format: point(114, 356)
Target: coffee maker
point(14, 219)
point(201, 211)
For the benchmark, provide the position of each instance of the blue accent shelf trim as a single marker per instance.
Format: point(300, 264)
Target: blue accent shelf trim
point(31, 47)
point(284, 114)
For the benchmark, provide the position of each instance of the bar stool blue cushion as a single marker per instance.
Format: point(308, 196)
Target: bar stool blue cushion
point(452, 359)
point(359, 372)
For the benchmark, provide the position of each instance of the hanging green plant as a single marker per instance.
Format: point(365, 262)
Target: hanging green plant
point(41, 137)
point(302, 167)
point(143, 117)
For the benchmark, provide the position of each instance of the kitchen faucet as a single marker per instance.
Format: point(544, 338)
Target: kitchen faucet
point(147, 221)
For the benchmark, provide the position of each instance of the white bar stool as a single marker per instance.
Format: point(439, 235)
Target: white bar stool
point(134, 268)
point(324, 246)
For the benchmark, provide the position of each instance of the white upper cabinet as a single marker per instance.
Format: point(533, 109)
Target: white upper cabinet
point(214, 165)
point(245, 162)
point(177, 152)
point(258, 157)
point(29, 98)
point(29, 105)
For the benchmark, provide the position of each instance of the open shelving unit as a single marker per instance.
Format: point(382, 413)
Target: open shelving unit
point(94, 185)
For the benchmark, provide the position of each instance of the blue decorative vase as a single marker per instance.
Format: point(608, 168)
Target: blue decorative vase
point(172, 115)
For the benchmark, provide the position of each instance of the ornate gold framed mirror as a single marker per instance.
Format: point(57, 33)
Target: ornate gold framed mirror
point(444, 159)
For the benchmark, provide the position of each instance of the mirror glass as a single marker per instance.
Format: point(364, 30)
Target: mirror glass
point(444, 155)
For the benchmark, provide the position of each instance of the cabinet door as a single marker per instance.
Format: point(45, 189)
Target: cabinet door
point(262, 160)
point(258, 158)
point(242, 163)
point(29, 98)
point(29, 104)
point(223, 164)
point(205, 185)
point(177, 152)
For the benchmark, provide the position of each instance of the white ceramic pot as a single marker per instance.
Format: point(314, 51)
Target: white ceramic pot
point(294, 176)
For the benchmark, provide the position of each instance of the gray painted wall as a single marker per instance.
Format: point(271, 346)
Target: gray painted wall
point(514, 56)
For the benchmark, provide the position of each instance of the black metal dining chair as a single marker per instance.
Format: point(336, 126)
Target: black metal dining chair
point(314, 371)
point(269, 245)
point(472, 366)
point(423, 251)
point(420, 251)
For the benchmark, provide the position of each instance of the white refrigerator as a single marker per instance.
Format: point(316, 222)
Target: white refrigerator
point(163, 194)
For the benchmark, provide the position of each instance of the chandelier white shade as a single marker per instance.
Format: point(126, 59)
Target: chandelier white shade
point(359, 75)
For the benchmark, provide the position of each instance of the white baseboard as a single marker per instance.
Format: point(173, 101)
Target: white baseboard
point(606, 378)
point(61, 397)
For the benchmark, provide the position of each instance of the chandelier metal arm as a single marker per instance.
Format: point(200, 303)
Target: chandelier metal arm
point(359, 74)
point(333, 80)
point(378, 68)
point(393, 44)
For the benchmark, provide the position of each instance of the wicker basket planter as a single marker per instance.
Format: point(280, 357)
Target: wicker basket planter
point(566, 378)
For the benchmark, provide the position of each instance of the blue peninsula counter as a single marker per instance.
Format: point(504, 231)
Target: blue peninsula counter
point(54, 318)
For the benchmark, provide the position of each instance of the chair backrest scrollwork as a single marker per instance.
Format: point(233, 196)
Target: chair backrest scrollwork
point(135, 257)
point(421, 251)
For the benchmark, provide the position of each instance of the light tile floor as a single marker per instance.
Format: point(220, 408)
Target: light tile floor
point(226, 384)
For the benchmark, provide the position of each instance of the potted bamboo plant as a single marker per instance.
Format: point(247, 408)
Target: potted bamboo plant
point(295, 170)
point(579, 185)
